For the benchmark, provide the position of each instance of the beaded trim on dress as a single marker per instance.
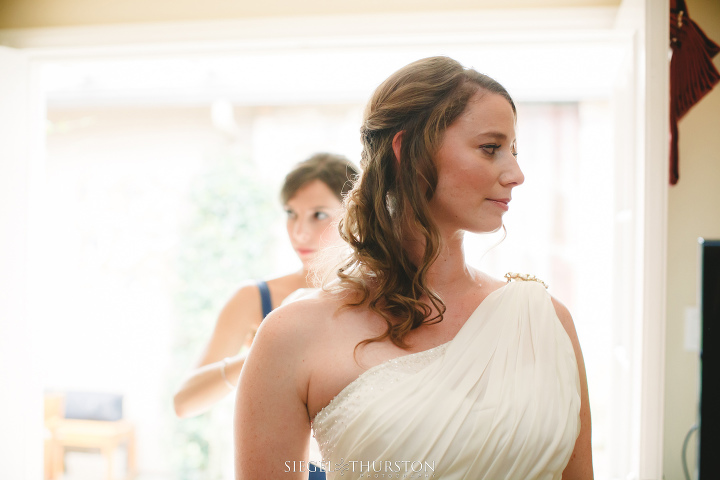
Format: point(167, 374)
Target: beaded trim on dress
point(524, 277)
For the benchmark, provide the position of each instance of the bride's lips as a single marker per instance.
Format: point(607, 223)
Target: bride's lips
point(305, 251)
point(500, 202)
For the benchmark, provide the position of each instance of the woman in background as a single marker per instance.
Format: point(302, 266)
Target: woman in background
point(312, 196)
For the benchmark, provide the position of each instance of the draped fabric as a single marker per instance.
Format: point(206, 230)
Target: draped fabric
point(499, 401)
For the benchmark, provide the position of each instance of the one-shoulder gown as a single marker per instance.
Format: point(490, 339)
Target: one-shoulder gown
point(499, 401)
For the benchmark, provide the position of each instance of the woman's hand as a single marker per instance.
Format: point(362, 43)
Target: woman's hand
point(207, 385)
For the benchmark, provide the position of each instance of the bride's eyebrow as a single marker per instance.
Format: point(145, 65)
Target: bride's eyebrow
point(494, 135)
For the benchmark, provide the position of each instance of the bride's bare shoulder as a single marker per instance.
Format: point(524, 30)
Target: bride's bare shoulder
point(306, 316)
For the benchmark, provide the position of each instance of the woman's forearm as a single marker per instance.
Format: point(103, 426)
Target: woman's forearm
point(206, 386)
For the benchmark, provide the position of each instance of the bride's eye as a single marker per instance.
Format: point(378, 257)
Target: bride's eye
point(490, 148)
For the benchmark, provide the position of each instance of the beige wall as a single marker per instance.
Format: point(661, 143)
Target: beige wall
point(694, 211)
point(49, 13)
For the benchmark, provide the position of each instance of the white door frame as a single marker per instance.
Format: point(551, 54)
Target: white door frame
point(649, 22)
point(21, 140)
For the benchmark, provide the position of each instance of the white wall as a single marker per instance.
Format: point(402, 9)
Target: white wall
point(46, 13)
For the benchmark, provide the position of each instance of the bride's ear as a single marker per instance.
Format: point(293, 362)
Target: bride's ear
point(397, 144)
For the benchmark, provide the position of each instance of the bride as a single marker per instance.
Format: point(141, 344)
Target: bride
point(411, 363)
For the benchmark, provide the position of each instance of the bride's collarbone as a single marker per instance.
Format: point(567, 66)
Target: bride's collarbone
point(342, 356)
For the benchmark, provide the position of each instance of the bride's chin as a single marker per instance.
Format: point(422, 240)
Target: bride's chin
point(486, 229)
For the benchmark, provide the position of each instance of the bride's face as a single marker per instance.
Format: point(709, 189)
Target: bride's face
point(477, 167)
point(311, 214)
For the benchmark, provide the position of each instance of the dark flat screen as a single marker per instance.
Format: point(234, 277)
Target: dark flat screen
point(709, 453)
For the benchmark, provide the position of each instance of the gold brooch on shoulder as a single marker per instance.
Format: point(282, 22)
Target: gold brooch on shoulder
point(523, 277)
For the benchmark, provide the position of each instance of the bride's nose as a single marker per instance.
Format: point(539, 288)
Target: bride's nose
point(513, 175)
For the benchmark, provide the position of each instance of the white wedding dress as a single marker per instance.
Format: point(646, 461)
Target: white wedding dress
point(499, 401)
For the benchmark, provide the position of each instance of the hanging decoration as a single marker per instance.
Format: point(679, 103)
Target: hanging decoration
point(692, 73)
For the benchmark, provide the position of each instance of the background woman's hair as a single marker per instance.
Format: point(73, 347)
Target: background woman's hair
point(335, 171)
point(389, 202)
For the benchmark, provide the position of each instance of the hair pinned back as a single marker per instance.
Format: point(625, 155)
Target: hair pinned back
point(389, 202)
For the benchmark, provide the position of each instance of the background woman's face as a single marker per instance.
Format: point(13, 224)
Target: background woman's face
point(311, 213)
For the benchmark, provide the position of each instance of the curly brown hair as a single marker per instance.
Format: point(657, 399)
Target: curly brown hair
point(389, 202)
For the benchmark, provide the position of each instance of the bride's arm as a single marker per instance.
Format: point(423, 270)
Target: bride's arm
point(580, 466)
point(272, 427)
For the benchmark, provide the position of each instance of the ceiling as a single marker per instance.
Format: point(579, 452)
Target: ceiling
point(61, 13)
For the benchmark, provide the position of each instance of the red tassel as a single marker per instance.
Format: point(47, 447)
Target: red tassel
point(692, 73)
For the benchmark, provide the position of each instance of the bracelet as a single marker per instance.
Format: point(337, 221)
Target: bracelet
point(225, 361)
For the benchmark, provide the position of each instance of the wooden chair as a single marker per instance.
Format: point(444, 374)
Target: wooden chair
point(53, 412)
point(106, 436)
